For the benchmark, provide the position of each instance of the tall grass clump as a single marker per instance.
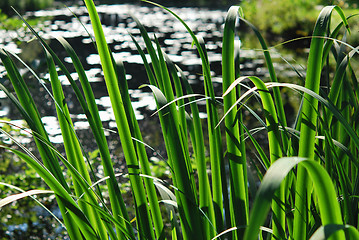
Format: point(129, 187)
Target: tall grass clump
point(307, 171)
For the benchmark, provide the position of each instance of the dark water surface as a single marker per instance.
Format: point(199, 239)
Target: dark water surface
point(117, 24)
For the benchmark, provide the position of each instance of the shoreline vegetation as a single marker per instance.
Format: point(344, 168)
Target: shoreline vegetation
point(304, 181)
point(279, 21)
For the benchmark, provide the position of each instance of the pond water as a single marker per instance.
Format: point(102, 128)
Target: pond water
point(117, 23)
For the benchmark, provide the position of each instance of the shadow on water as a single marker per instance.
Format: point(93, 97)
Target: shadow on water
point(117, 22)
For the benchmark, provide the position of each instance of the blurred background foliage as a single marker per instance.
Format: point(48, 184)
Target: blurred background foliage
point(30, 5)
point(277, 19)
point(283, 20)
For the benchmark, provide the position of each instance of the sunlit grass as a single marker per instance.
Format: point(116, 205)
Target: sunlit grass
point(304, 169)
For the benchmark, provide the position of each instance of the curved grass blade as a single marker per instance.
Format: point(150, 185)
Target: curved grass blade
point(76, 175)
point(62, 112)
point(149, 72)
point(277, 95)
point(110, 219)
point(162, 73)
point(334, 35)
point(336, 113)
point(309, 119)
point(179, 94)
point(152, 52)
point(65, 71)
point(324, 232)
point(274, 139)
point(327, 199)
point(327, 103)
point(198, 142)
point(17, 196)
point(37, 201)
point(338, 80)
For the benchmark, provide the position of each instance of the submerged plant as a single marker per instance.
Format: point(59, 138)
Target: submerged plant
point(310, 184)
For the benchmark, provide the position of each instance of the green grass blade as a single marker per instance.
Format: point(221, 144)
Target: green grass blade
point(109, 218)
point(60, 63)
point(271, 119)
point(338, 80)
point(178, 153)
point(216, 155)
point(217, 164)
point(189, 213)
point(61, 192)
point(236, 157)
point(329, 207)
point(259, 149)
point(333, 35)
point(32, 115)
point(117, 203)
point(143, 218)
point(149, 72)
point(153, 55)
point(142, 155)
point(327, 103)
point(324, 232)
point(214, 133)
point(179, 94)
point(274, 139)
point(308, 123)
point(205, 195)
point(172, 134)
point(277, 95)
point(198, 142)
point(83, 184)
point(17, 196)
point(17, 104)
point(64, 70)
point(72, 146)
point(163, 111)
